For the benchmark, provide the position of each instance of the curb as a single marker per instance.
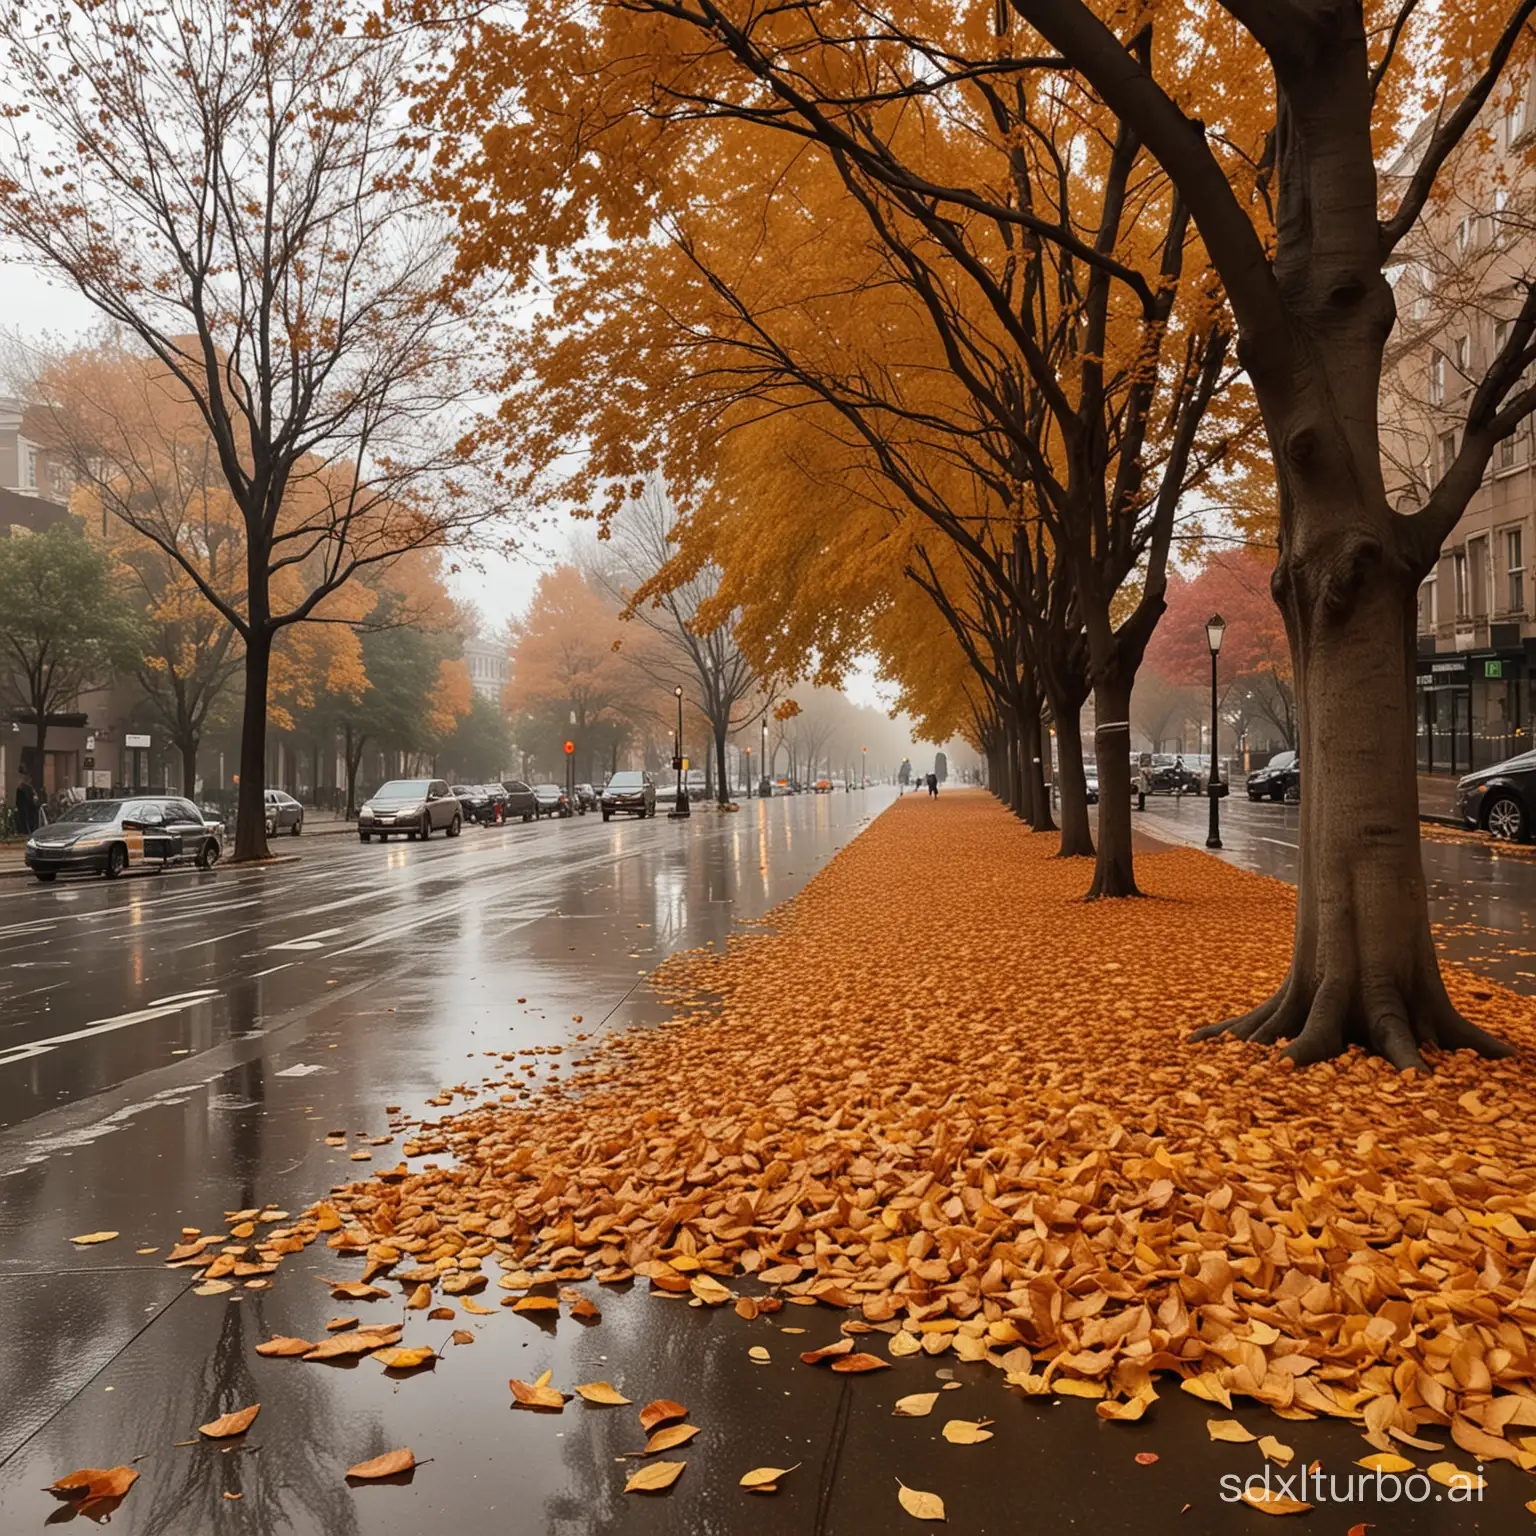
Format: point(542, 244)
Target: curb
point(23, 873)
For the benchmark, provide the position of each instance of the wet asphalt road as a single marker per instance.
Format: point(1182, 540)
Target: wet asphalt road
point(177, 1047)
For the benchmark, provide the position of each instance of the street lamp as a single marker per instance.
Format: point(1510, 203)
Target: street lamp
point(764, 788)
point(863, 767)
point(680, 811)
point(1215, 630)
point(749, 773)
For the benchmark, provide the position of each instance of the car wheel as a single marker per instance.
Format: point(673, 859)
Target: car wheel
point(366, 837)
point(208, 855)
point(607, 815)
point(426, 827)
point(117, 861)
point(1505, 818)
point(298, 826)
point(527, 817)
point(454, 827)
point(1277, 794)
point(45, 875)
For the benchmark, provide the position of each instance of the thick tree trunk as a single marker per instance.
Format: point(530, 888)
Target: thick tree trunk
point(1037, 796)
point(1114, 872)
point(1076, 835)
point(188, 748)
point(721, 778)
point(1364, 970)
point(1016, 791)
point(251, 820)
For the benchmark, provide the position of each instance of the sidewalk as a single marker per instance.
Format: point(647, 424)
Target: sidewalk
point(1437, 798)
point(935, 1123)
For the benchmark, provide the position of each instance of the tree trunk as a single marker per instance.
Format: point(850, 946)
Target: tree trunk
point(1076, 834)
point(721, 777)
point(1032, 752)
point(251, 816)
point(1114, 872)
point(188, 748)
point(1015, 788)
point(1364, 970)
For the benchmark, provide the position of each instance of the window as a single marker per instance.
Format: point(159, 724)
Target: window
point(1437, 378)
point(1514, 113)
point(1461, 349)
point(1479, 575)
point(28, 467)
point(1514, 568)
point(1447, 451)
point(1464, 232)
point(1429, 608)
point(1506, 455)
point(1459, 569)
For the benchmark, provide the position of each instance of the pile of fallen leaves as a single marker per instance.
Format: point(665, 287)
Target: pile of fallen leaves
point(947, 1098)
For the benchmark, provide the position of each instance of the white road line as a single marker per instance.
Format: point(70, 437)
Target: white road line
point(307, 941)
point(104, 1027)
point(234, 934)
point(273, 970)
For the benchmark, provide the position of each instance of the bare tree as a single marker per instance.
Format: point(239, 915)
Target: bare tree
point(228, 181)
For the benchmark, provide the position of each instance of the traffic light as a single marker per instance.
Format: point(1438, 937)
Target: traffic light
point(570, 747)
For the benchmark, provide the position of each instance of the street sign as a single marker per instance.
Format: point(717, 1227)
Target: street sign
point(570, 747)
point(90, 762)
point(1493, 669)
point(135, 741)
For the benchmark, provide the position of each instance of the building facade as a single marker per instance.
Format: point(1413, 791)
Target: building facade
point(489, 666)
point(1459, 285)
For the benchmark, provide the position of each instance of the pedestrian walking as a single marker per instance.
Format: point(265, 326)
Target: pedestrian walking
point(933, 783)
point(26, 804)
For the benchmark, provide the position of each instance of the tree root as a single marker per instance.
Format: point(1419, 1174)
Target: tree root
point(1322, 1022)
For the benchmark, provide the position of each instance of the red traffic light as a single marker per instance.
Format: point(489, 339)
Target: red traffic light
point(570, 747)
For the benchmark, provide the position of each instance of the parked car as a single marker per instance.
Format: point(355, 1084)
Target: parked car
point(1278, 779)
point(416, 807)
point(1091, 779)
point(476, 803)
point(822, 787)
point(1171, 775)
point(283, 812)
point(1500, 799)
point(109, 836)
point(552, 800)
point(587, 797)
point(521, 800)
point(632, 791)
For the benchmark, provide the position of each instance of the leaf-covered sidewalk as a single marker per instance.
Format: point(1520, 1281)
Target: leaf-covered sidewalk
point(947, 1097)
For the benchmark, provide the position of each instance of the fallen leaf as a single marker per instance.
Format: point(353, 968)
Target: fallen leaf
point(655, 1476)
point(441, 1315)
point(1071, 1387)
point(585, 1310)
point(827, 1352)
point(469, 1304)
point(230, 1423)
point(1385, 1461)
point(363, 1342)
point(903, 1344)
point(535, 1304)
point(662, 1411)
point(1146, 1458)
point(462, 1336)
point(93, 1237)
point(917, 1405)
point(1267, 1502)
point(336, 1324)
point(1449, 1475)
point(709, 1290)
point(390, 1464)
point(1275, 1451)
point(212, 1288)
point(356, 1290)
point(229, 1495)
point(667, 1439)
point(854, 1364)
point(603, 1394)
point(396, 1359)
point(284, 1346)
point(923, 1506)
point(759, 1355)
point(1228, 1429)
point(765, 1477)
point(537, 1395)
point(95, 1483)
point(419, 1299)
point(965, 1432)
point(1122, 1412)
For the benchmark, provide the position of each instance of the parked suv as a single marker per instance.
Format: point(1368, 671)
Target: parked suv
point(416, 807)
point(521, 800)
point(631, 791)
point(476, 803)
point(283, 812)
point(109, 836)
point(552, 800)
point(586, 797)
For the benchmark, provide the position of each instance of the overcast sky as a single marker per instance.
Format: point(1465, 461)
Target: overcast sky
point(37, 309)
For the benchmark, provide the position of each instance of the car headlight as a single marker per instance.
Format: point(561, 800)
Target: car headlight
point(87, 842)
point(408, 810)
point(366, 814)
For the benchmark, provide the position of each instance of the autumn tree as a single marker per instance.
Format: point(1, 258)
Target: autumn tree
point(677, 600)
point(1269, 120)
point(64, 627)
point(479, 747)
point(229, 184)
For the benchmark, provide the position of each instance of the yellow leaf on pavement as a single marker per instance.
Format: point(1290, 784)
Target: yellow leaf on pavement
point(602, 1393)
point(390, 1464)
point(709, 1290)
point(666, 1439)
point(915, 1406)
point(1228, 1429)
point(230, 1423)
point(537, 1394)
point(923, 1506)
point(1385, 1461)
point(1269, 1503)
point(94, 1237)
point(765, 1477)
point(405, 1359)
point(965, 1432)
point(662, 1411)
point(655, 1476)
point(1275, 1450)
point(284, 1346)
point(1449, 1475)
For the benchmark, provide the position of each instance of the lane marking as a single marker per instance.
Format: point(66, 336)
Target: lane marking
point(308, 941)
point(160, 1010)
point(273, 970)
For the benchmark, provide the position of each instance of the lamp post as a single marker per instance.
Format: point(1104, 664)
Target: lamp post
point(749, 773)
point(863, 767)
point(764, 788)
point(1215, 630)
point(680, 811)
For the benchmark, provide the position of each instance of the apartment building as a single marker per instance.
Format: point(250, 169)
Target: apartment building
point(489, 666)
point(1459, 284)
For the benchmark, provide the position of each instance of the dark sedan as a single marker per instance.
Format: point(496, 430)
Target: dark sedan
point(632, 792)
point(1500, 799)
point(586, 797)
point(520, 799)
point(552, 800)
point(1278, 779)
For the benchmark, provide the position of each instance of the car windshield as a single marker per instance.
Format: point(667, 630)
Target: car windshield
point(465, 789)
point(625, 781)
point(1282, 760)
point(547, 789)
point(95, 811)
point(403, 789)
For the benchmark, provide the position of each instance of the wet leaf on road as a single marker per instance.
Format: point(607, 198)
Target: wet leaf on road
point(827, 1352)
point(655, 1476)
point(408, 1359)
point(462, 1336)
point(441, 1315)
point(1229, 1430)
point(1275, 1450)
point(390, 1464)
point(1147, 1458)
point(854, 1364)
point(667, 1439)
point(1267, 1502)
point(916, 1405)
point(759, 1355)
point(662, 1411)
point(533, 1304)
point(336, 1324)
point(354, 1290)
point(284, 1346)
point(469, 1304)
point(603, 1394)
point(228, 1424)
point(212, 1288)
point(923, 1506)
point(764, 1479)
point(537, 1394)
point(709, 1290)
point(419, 1300)
point(967, 1432)
point(363, 1342)
point(95, 1483)
point(93, 1237)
